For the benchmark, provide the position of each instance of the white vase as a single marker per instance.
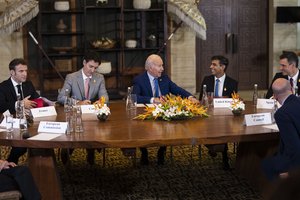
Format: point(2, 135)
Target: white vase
point(141, 4)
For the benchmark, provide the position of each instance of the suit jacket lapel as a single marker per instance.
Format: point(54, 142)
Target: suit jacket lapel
point(148, 85)
point(80, 84)
point(93, 84)
point(12, 89)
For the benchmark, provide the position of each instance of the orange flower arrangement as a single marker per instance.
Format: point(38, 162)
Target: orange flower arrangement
point(173, 108)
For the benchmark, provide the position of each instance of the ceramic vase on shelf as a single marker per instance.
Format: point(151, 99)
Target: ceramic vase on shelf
point(141, 4)
point(61, 26)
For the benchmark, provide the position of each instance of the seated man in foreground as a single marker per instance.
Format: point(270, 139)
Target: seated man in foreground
point(13, 177)
point(287, 119)
point(149, 87)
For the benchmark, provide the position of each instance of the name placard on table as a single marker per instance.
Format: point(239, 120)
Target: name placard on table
point(43, 111)
point(258, 119)
point(52, 127)
point(16, 123)
point(87, 109)
point(265, 103)
point(222, 102)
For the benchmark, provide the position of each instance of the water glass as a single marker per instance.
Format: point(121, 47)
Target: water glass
point(210, 97)
point(9, 123)
point(131, 102)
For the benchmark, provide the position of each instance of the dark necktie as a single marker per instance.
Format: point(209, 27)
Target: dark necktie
point(20, 91)
point(217, 88)
point(156, 90)
point(292, 82)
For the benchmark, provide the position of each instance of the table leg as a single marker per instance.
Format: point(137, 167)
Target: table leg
point(249, 157)
point(42, 165)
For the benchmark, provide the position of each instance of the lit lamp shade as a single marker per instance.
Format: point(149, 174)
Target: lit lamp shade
point(104, 68)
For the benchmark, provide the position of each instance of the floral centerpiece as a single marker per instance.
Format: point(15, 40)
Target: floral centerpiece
point(237, 105)
point(173, 108)
point(101, 109)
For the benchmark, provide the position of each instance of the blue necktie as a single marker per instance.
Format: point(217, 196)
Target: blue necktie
point(217, 88)
point(156, 90)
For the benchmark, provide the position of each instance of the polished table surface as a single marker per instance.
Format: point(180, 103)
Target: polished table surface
point(120, 130)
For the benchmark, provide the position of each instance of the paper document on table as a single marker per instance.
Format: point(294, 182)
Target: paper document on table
point(150, 105)
point(44, 136)
point(272, 126)
point(140, 105)
point(2, 130)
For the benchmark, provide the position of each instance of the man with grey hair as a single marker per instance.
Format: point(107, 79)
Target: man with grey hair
point(149, 87)
point(287, 119)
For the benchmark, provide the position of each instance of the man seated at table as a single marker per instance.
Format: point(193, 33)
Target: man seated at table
point(13, 177)
point(86, 86)
point(10, 89)
point(221, 85)
point(287, 119)
point(289, 70)
point(149, 87)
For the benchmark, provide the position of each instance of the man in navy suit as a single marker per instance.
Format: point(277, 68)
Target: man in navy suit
point(287, 119)
point(8, 96)
point(221, 85)
point(144, 87)
point(289, 70)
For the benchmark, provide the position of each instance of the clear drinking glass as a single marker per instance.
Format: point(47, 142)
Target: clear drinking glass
point(9, 123)
point(210, 97)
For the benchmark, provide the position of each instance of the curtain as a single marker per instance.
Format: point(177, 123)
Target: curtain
point(16, 13)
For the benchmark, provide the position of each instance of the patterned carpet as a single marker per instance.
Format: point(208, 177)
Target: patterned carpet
point(186, 177)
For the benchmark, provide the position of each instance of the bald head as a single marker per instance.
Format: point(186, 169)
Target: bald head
point(281, 89)
point(154, 65)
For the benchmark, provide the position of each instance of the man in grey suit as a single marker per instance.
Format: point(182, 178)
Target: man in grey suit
point(86, 87)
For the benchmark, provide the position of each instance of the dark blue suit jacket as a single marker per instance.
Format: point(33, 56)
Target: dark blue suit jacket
point(230, 85)
point(280, 75)
point(142, 88)
point(288, 157)
point(8, 95)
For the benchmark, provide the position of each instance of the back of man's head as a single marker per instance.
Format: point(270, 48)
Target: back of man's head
point(281, 89)
point(291, 57)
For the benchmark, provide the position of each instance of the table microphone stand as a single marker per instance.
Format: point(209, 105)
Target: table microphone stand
point(45, 54)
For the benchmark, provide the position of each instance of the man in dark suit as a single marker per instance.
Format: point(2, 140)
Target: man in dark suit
point(13, 177)
point(8, 96)
point(289, 70)
point(86, 86)
point(149, 87)
point(287, 119)
point(221, 85)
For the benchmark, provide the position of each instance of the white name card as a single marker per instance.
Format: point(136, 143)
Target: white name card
point(43, 112)
point(16, 123)
point(258, 119)
point(265, 103)
point(222, 102)
point(52, 127)
point(87, 109)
